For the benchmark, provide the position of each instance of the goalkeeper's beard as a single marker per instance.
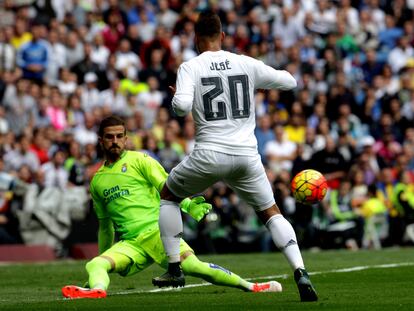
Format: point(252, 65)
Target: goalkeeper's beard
point(113, 153)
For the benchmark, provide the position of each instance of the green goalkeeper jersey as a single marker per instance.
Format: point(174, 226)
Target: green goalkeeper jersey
point(127, 192)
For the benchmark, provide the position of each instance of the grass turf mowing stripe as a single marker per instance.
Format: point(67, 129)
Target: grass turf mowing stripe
point(279, 276)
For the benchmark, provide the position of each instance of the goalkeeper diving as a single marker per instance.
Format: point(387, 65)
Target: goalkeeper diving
point(125, 193)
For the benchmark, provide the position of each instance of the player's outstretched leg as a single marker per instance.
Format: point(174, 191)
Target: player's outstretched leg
point(284, 238)
point(218, 275)
point(97, 270)
point(171, 228)
point(306, 290)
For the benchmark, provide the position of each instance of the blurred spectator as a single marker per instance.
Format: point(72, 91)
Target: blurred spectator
point(399, 55)
point(188, 135)
point(74, 49)
point(287, 28)
point(86, 132)
point(296, 128)
point(346, 223)
point(403, 199)
point(267, 11)
point(21, 155)
point(85, 65)
point(57, 57)
point(67, 82)
point(138, 9)
point(330, 163)
point(75, 165)
point(264, 134)
point(20, 106)
point(157, 67)
point(113, 98)
point(280, 152)
point(387, 148)
point(322, 19)
point(40, 146)
point(4, 124)
point(148, 103)
point(113, 31)
point(165, 16)
point(389, 36)
point(21, 36)
point(127, 61)
point(100, 53)
point(33, 57)
point(89, 93)
point(7, 51)
point(115, 7)
point(146, 27)
point(171, 152)
point(55, 174)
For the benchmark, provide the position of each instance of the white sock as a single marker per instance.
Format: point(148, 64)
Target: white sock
point(171, 228)
point(284, 238)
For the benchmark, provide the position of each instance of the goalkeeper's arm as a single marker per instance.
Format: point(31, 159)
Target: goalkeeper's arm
point(197, 207)
point(105, 234)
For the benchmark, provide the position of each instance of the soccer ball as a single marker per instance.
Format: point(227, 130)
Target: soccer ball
point(309, 187)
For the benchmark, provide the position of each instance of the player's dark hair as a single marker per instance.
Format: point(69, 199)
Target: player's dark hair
point(110, 121)
point(208, 25)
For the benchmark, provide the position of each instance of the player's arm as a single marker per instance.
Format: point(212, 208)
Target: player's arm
point(182, 101)
point(267, 77)
point(106, 232)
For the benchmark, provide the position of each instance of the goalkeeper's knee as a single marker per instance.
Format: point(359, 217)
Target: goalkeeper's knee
point(98, 263)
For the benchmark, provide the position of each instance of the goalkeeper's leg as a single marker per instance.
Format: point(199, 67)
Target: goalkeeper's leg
point(98, 269)
point(217, 275)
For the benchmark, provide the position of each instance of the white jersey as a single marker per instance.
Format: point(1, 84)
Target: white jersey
point(218, 87)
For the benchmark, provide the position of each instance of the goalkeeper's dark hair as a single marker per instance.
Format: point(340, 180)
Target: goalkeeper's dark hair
point(208, 25)
point(110, 121)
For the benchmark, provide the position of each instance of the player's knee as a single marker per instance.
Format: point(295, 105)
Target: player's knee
point(268, 213)
point(98, 263)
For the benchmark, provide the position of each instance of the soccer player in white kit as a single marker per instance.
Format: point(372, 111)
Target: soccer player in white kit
point(218, 88)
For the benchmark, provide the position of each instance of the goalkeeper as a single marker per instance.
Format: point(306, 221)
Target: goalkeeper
point(125, 193)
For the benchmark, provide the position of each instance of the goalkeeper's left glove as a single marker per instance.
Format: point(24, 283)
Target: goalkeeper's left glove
point(197, 207)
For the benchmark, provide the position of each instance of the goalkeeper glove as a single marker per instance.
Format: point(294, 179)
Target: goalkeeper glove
point(197, 207)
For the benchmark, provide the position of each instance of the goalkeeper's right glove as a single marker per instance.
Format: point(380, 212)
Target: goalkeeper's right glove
point(197, 207)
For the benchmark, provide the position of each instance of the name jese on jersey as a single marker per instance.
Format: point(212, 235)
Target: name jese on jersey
point(220, 66)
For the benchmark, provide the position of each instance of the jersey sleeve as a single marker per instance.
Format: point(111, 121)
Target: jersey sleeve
point(267, 77)
point(100, 211)
point(182, 101)
point(153, 171)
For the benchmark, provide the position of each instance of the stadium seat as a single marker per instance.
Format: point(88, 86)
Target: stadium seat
point(26, 253)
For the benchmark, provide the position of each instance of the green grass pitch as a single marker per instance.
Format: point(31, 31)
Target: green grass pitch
point(364, 280)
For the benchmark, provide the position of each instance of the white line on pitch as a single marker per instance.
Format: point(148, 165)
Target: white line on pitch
point(279, 276)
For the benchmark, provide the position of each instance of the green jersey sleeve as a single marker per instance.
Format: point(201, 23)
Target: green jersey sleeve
point(152, 171)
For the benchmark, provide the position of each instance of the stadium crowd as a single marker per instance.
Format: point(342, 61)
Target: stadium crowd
point(66, 64)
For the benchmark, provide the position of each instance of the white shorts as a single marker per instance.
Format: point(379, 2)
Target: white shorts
point(245, 175)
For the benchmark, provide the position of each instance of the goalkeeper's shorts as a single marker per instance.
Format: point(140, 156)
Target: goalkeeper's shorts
point(143, 251)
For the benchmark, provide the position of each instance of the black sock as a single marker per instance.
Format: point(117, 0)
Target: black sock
point(174, 268)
